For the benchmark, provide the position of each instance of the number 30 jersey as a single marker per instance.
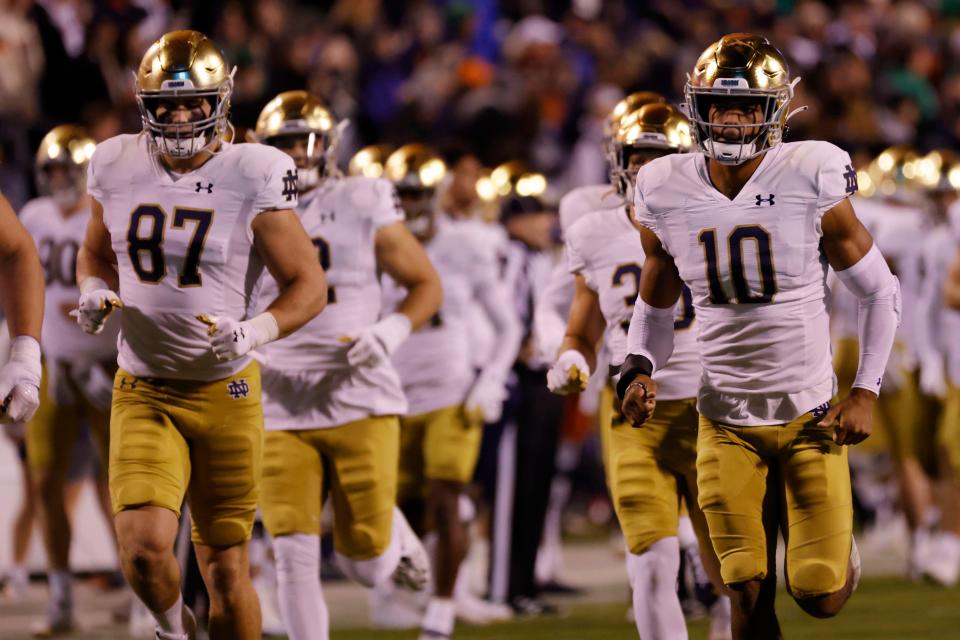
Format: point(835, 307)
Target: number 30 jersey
point(184, 246)
point(605, 249)
point(307, 381)
point(757, 274)
point(58, 240)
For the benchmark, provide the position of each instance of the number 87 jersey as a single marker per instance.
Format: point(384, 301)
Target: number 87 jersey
point(757, 274)
point(184, 246)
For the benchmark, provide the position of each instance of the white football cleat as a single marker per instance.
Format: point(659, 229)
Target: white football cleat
point(943, 561)
point(59, 622)
point(413, 570)
point(394, 608)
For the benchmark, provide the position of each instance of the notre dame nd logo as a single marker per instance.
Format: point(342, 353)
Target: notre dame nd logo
point(289, 185)
point(238, 388)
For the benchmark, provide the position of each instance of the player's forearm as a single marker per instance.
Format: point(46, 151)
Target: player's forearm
point(92, 265)
point(878, 292)
point(21, 281)
point(301, 298)
point(422, 301)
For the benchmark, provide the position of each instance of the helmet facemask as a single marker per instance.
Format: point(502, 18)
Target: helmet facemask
point(206, 127)
point(309, 151)
point(752, 138)
point(65, 184)
point(627, 160)
point(418, 206)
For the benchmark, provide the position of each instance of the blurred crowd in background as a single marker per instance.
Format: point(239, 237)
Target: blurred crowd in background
point(507, 79)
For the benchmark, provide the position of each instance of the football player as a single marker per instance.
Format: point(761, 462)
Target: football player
point(181, 227)
point(21, 280)
point(79, 372)
point(749, 225)
point(331, 394)
point(449, 403)
point(649, 471)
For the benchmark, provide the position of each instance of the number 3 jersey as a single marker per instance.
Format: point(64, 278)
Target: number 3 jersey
point(58, 239)
point(307, 382)
point(605, 249)
point(184, 247)
point(757, 274)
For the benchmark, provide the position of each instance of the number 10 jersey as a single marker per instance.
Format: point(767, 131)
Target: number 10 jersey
point(184, 246)
point(757, 273)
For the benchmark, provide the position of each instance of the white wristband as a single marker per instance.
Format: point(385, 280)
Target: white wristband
point(92, 283)
point(25, 349)
point(265, 327)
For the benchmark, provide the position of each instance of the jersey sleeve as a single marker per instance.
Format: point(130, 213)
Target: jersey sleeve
point(386, 208)
point(641, 213)
point(837, 178)
point(105, 154)
point(574, 256)
point(278, 182)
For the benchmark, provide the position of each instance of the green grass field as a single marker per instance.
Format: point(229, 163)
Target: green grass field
point(882, 609)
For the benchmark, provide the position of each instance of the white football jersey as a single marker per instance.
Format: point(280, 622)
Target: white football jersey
point(307, 382)
point(58, 241)
point(435, 363)
point(492, 238)
point(605, 249)
point(941, 323)
point(184, 247)
point(580, 201)
point(757, 274)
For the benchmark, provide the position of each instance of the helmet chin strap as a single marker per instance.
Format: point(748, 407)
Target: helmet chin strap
point(732, 153)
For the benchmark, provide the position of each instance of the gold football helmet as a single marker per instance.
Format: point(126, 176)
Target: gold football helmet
point(369, 161)
point(61, 164)
point(738, 69)
point(893, 174)
point(416, 171)
point(184, 69)
point(628, 105)
point(939, 171)
point(302, 126)
point(515, 178)
point(653, 130)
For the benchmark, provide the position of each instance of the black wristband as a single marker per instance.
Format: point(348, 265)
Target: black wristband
point(633, 366)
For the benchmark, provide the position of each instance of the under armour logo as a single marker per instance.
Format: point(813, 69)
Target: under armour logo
point(127, 384)
point(851, 177)
point(208, 187)
point(239, 334)
point(331, 216)
point(290, 185)
point(761, 200)
point(238, 388)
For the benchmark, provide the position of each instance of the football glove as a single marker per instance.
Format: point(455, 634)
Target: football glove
point(231, 339)
point(20, 381)
point(485, 400)
point(97, 302)
point(569, 374)
point(372, 345)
